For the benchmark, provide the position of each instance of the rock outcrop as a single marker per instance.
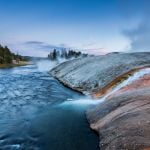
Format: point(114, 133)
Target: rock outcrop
point(123, 120)
point(95, 75)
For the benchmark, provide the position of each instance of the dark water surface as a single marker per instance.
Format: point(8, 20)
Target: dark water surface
point(35, 113)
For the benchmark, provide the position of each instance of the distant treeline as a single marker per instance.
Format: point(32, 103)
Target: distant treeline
point(7, 57)
point(55, 54)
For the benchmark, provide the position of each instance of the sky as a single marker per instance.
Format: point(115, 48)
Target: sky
point(35, 27)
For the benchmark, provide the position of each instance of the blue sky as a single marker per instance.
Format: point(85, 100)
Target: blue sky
point(34, 27)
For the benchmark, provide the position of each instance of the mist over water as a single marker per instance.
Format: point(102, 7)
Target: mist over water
point(46, 64)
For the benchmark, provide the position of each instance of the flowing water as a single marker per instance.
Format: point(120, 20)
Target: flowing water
point(39, 113)
point(36, 112)
point(140, 73)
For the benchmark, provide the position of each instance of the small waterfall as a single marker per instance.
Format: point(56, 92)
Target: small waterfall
point(128, 81)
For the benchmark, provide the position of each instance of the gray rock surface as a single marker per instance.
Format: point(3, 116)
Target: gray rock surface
point(94, 73)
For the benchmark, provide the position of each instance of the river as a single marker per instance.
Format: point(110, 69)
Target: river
point(39, 113)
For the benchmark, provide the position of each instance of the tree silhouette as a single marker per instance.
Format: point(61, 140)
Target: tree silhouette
point(6, 56)
point(55, 54)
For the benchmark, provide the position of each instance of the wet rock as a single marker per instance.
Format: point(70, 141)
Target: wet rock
point(93, 75)
point(123, 121)
point(142, 82)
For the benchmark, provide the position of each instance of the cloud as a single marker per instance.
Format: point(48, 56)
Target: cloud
point(44, 46)
point(33, 42)
point(139, 37)
point(35, 48)
point(42, 49)
point(95, 51)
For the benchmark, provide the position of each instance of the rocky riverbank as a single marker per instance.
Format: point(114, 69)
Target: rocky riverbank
point(21, 63)
point(95, 75)
point(122, 120)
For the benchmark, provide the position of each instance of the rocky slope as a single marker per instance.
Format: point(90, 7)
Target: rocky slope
point(95, 75)
point(123, 120)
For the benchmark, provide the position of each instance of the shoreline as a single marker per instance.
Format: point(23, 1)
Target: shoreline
point(54, 123)
point(120, 117)
point(22, 63)
point(89, 78)
point(99, 93)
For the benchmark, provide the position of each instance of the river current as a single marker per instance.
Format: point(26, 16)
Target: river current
point(39, 113)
